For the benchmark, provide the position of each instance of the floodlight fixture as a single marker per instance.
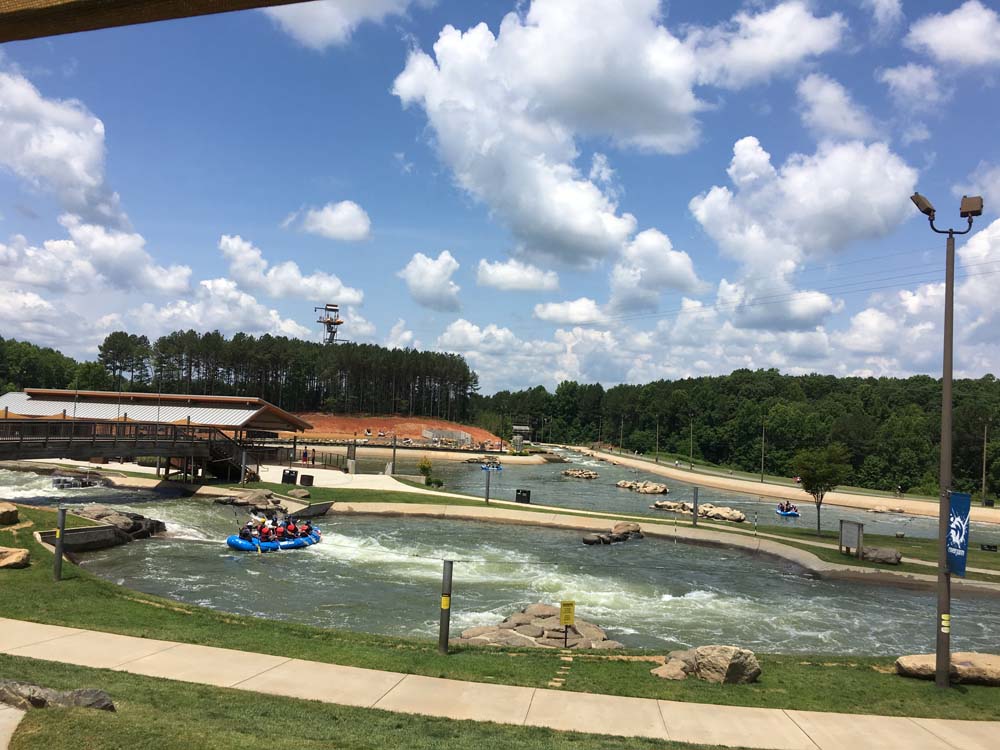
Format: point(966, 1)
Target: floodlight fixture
point(923, 205)
point(972, 205)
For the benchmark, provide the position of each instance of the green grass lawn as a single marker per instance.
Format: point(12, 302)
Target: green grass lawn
point(85, 601)
point(168, 715)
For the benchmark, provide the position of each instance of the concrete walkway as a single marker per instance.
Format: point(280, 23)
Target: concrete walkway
point(453, 699)
point(796, 494)
point(9, 719)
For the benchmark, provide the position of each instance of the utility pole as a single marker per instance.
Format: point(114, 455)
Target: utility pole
point(986, 428)
point(691, 444)
point(762, 451)
point(621, 434)
point(656, 453)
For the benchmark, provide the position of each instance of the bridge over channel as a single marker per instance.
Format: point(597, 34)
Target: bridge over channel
point(207, 433)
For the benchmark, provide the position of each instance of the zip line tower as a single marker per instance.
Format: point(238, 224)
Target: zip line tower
point(329, 318)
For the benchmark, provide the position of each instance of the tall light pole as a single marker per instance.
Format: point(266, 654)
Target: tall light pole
point(691, 443)
point(986, 429)
point(971, 206)
point(621, 434)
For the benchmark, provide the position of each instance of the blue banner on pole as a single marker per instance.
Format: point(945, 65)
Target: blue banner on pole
point(960, 505)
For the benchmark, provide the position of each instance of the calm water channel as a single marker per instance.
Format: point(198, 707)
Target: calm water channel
point(383, 575)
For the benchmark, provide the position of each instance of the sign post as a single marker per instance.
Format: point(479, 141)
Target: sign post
point(567, 618)
point(959, 508)
point(60, 533)
point(443, 631)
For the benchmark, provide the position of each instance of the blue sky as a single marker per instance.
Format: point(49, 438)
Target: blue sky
point(614, 191)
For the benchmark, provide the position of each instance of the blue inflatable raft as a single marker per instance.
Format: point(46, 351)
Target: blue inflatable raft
point(246, 545)
point(787, 513)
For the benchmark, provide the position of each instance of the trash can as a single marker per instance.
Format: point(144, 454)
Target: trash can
point(306, 480)
point(522, 496)
point(289, 476)
point(989, 502)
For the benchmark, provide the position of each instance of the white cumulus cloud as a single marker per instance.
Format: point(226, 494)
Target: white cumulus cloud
point(249, 267)
point(829, 111)
point(324, 23)
point(429, 281)
point(345, 221)
point(573, 312)
point(809, 207)
point(216, 304)
point(649, 266)
point(968, 35)
point(513, 275)
point(506, 109)
point(56, 145)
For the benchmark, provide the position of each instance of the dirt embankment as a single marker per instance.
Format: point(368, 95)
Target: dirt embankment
point(339, 427)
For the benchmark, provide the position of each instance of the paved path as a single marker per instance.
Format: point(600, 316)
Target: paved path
point(9, 719)
point(431, 696)
point(784, 492)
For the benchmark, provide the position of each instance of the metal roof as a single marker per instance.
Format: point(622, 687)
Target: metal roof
point(227, 413)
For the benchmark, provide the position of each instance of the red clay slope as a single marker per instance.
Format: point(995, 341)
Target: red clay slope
point(336, 427)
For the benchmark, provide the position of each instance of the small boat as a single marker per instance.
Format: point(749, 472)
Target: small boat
point(247, 545)
point(787, 513)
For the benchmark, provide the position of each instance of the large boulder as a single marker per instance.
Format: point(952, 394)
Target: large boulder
point(299, 493)
point(256, 497)
point(8, 514)
point(966, 667)
point(726, 664)
point(672, 670)
point(14, 557)
point(541, 610)
point(24, 695)
point(479, 632)
point(884, 555)
point(518, 618)
point(532, 631)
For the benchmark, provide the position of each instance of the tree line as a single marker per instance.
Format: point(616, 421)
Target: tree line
point(889, 427)
point(294, 374)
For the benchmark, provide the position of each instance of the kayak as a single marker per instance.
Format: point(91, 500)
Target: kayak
point(787, 513)
point(245, 545)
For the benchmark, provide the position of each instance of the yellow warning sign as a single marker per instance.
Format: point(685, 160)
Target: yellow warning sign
point(445, 601)
point(567, 613)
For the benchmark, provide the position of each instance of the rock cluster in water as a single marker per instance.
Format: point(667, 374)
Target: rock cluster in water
point(537, 626)
point(884, 509)
point(622, 532)
point(966, 667)
point(731, 665)
point(131, 525)
point(581, 473)
point(643, 488)
point(705, 510)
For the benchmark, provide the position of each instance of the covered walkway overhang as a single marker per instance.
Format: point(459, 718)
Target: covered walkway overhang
point(30, 19)
point(230, 413)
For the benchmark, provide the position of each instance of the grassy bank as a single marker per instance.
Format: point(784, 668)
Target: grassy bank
point(168, 715)
point(805, 682)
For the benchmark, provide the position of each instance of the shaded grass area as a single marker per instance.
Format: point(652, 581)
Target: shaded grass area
point(85, 601)
point(168, 715)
